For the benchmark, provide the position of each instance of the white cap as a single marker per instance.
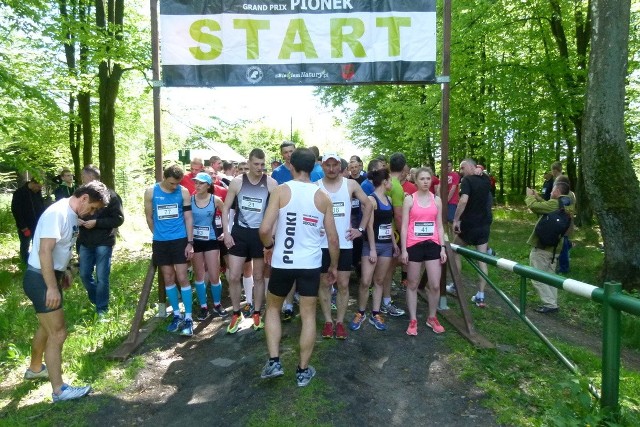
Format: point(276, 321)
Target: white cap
point(328, 156)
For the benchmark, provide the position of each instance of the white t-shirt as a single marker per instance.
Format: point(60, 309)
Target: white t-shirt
point(58, 222)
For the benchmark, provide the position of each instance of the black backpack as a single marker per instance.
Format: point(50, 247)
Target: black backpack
point(552, 226)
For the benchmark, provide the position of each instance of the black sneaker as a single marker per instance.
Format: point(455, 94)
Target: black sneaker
point(220, 311)
point(204, 313)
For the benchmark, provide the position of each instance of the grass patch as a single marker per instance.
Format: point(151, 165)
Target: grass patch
point(527, 385)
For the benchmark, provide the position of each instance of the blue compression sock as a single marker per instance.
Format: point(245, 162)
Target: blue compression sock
point(172, 296)
point(201, 290)
point(187, 300)
point(216, 291)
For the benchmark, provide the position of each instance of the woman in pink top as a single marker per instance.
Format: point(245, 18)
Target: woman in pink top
point(422, 242)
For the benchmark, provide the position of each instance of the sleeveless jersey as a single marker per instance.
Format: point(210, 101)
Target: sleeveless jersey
point(341, 200)
point(203, 220)
point(252, 202)
point(382, 219)
point(422, 222)
point(297, 243)
point(168, 218)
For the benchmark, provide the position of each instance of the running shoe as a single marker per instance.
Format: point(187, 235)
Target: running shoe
point(433, 323)
point(220, 311)
point(236, 319)
point(204, 313)
point(69, 393)
point(42, 374)
point(327, 331)
point(391, 309)
point(303, 378)
point(247, 311)
point(272, 370)
point(287, 315)
point(478, 301)
point(333, 301)
point(451, 289)
point(357, 321)
point(378, 322)
point(176, 323)
point(413, 328)
point(258, 321)
point(341, 332)
point(187, 328)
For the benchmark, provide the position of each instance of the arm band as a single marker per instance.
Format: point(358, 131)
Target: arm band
point(186, 208)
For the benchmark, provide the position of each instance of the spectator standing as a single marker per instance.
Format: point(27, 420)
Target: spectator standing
point(96, 239)
point(543, 257)
point(27, 204)
point(66, 187)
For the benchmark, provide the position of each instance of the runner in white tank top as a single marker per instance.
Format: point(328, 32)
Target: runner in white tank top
point(297, 211)
point(341, 191)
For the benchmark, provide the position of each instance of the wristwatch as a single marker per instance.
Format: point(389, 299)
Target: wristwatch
point(361, 230)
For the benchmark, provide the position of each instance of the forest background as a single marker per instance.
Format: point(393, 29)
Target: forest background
point(530, 84)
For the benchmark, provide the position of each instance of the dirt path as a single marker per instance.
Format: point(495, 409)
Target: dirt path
point(372, 378)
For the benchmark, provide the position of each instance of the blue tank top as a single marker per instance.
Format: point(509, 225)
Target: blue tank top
point(203, 220)
point(168, 217)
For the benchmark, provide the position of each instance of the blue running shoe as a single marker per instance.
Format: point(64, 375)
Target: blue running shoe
point(176, 323)
point(378, 322)
point(357, 321)
point(187, 328)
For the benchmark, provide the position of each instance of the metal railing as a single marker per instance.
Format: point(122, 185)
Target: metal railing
point(612, 300)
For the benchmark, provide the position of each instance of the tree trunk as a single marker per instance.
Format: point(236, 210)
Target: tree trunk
point(109, 75)
point(608, 172)
point(74, 144)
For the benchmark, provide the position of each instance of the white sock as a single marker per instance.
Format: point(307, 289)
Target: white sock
point(247, 283)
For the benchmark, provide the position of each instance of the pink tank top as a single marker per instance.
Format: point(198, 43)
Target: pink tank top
point(422, 222)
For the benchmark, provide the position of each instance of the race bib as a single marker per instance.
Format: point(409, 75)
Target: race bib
point(201, 232)
point(167, 211)
point(423, 229)
point(218, 220)
point(253, 204)
point(384, 232)
point(355, 203)
point(339, 209)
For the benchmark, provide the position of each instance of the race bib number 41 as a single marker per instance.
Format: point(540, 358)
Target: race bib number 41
point(423, 229)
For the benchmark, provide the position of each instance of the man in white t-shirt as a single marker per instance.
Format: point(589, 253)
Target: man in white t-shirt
point(47, 275)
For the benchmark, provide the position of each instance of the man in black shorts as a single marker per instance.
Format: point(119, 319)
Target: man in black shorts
point(472, 221)
point(47, 275)
point(300, 210)
point(249, 194)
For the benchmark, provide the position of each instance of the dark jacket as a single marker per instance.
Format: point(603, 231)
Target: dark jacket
point(26, 207)
point(108, 219)
point(63, 192)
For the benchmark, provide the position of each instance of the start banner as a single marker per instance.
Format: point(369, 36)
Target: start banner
point(297, 42)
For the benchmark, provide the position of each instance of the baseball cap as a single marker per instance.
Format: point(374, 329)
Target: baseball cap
point(328, 156)
point(203, 177)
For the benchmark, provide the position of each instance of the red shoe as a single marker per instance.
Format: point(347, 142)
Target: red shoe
point(433, 323)
point(327, 331)
point(341, 332)
point(413, 328)
point(258, 323)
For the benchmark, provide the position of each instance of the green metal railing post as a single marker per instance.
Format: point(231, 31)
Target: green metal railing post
point(610, 349)
point(523, 296)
